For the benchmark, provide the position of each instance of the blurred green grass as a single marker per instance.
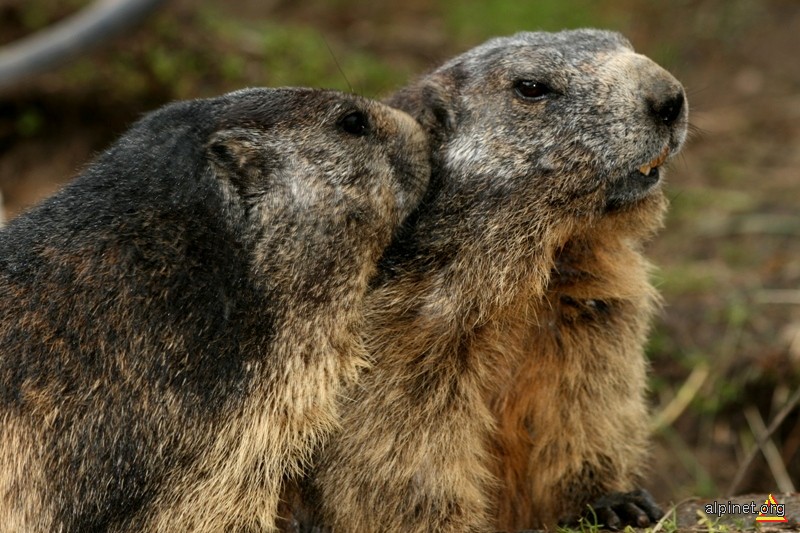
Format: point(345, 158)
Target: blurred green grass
point(476, 20)
point(225, 49)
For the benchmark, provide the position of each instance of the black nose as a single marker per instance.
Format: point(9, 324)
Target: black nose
point(667, 110)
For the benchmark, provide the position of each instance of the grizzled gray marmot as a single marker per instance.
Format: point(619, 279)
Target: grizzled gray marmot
point(507, 323)
point(176, 324)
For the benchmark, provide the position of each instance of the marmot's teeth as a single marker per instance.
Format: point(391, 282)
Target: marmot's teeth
point(657, 162)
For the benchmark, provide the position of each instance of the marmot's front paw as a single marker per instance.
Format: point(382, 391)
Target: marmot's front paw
point(619, 509)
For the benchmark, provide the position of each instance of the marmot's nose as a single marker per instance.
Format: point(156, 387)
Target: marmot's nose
point(667, 107)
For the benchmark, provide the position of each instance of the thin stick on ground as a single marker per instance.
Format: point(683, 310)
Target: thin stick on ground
point(770, 451)
point(776, 422)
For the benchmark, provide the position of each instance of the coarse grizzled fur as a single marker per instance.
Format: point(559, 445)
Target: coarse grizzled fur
point(177, 323)
point(507, 324)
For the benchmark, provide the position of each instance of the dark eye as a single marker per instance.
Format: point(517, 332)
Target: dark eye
point(532, 90)
point(354, 123)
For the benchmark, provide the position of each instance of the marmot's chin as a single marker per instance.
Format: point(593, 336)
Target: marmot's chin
point(632, 187)
point(636, 184)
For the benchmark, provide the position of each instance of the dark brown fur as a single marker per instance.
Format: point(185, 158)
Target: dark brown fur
point(176, 324)
point(508, 323)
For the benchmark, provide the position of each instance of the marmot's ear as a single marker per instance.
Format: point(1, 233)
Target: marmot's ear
point(242, 157)
point(432, 101)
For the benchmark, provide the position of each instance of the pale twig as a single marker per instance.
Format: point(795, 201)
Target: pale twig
point(671, 513)
point(778, 296)
point(770, 451)
point(791, 403)
point(700, 377)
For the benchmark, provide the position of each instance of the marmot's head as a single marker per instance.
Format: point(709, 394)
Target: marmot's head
point(303, 187)
point(573, 124)
point(333, 160)
point(323, 178)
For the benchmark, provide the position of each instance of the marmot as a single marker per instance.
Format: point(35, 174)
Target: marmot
point(176, 324)
point(507, 323)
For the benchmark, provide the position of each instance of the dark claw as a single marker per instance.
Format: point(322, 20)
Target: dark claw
point(295, 526)
point(619, 509)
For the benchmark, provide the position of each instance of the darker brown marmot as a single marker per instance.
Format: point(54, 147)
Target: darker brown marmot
point(508, 323)
point(176, 324)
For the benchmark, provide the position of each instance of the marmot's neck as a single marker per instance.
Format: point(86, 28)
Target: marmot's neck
point(469, 256)
point(311, 270)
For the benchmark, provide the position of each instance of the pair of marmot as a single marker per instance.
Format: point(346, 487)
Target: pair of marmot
point(177, 323)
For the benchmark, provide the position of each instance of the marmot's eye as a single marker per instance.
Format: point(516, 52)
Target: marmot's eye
point(531, 90)
point(355, 123)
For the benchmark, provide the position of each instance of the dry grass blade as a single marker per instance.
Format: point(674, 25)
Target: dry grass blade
point(671, 514)
point(682, 399)
point(784, 296)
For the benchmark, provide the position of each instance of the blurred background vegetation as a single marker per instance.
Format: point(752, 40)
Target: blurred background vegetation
point(726, 349)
